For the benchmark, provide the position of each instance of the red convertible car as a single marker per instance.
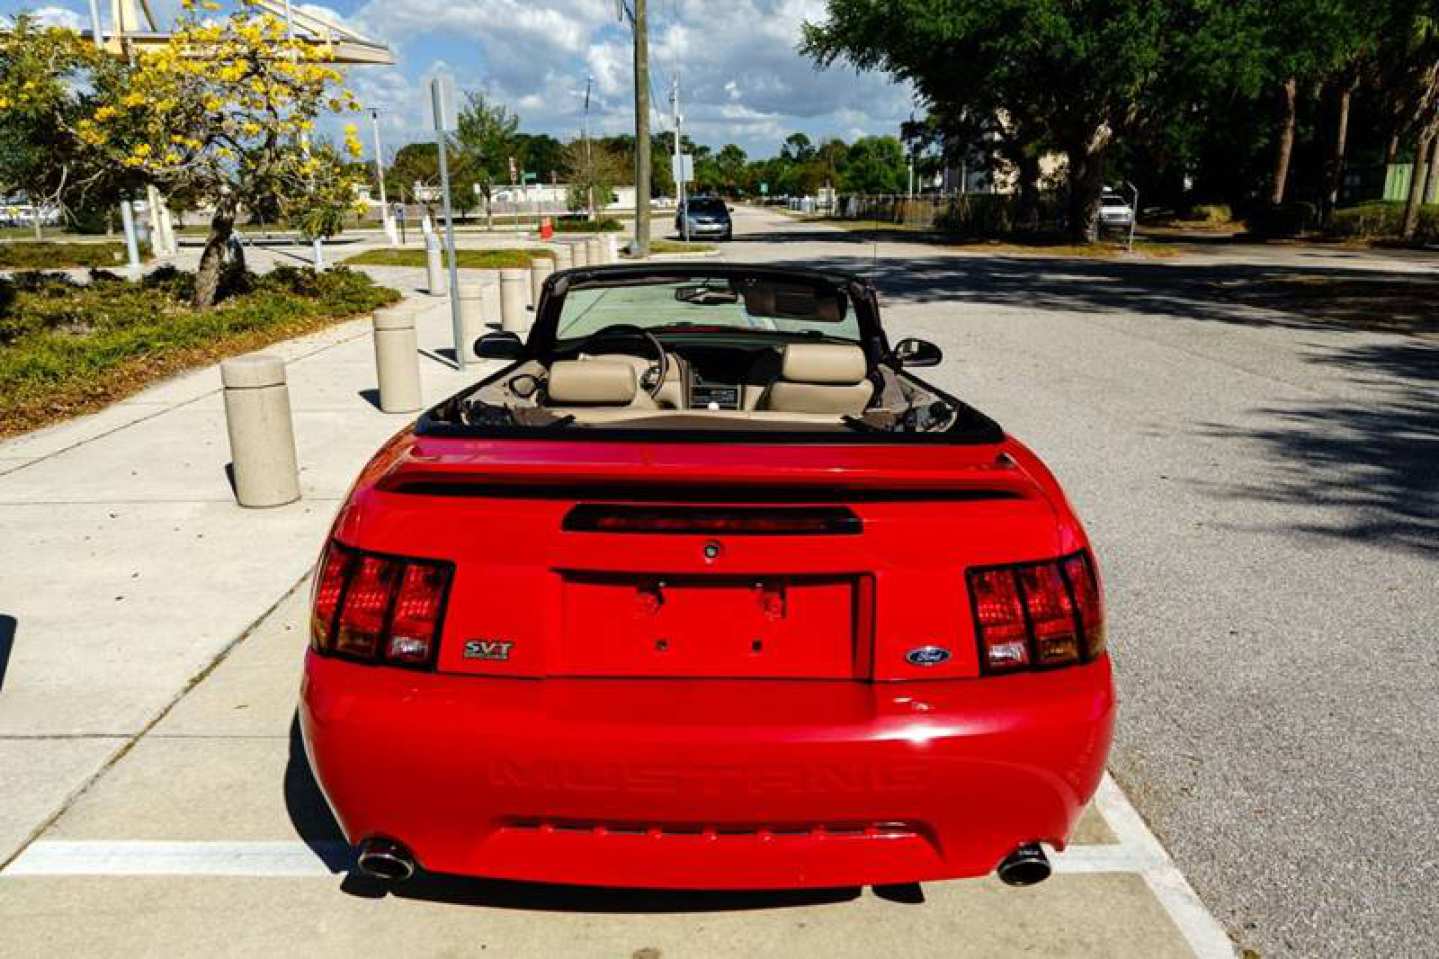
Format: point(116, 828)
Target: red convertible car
point(705, 589)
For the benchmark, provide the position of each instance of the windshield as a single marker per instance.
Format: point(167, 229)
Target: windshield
point(705, 205)
point(711, 304)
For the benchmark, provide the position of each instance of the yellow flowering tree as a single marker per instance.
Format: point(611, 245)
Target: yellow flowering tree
point(46, 89)
point(226, 110)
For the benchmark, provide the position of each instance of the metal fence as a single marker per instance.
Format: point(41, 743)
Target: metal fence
point(977, 214)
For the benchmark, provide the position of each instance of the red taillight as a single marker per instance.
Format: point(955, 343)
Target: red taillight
point(1037, 614)
point(378, 608)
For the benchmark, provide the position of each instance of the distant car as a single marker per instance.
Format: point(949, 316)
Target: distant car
point(707, 589)
point(1114, 210)
point(708, 218)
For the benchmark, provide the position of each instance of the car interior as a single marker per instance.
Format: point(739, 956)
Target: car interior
point(755, 356)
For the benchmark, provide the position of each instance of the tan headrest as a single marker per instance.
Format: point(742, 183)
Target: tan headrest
point(836, 364)
point(591, 383)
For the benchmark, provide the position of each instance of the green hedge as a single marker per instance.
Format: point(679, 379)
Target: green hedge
point(581, 225)
point(66, 347)
point(1383, 220)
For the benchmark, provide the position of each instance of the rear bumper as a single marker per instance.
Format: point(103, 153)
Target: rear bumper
point(707, 784)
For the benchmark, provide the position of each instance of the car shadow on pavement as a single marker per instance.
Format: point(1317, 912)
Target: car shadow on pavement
point(546, 897)
point(7, 643)
point(308, 811)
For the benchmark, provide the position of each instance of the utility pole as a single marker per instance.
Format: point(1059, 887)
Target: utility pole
point(678, 164)
point(589, 158)
point(642, 130)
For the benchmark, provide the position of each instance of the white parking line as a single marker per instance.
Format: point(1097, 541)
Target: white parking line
point(1199, 927)
point(63, 857)
point(1137, 851)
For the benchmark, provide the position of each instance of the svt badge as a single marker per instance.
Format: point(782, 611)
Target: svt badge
point(487, 649)
point(927, 656)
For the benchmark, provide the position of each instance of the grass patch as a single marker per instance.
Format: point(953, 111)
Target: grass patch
point(680, 246)
point(49, 255)
point(467, 259)
point(68, 348)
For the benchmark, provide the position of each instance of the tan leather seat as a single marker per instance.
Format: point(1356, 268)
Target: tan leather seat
point(820, 378)
point(595, 383)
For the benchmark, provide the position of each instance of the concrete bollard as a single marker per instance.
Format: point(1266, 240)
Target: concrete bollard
point(262, 438)
point(397, 360)
point(540, 269)
point(595, 251)
point(612, 248)
point(513, 286)
point(564, 259)
point(472, 313)
point(580, 253)
point(491, 300)
point(437, 283)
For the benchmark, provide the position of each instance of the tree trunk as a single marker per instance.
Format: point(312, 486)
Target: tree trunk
point(1336, 153)
point(1431, 192)
point(212, 260)
point(39, 228)
point(1086, 182)
point(1416, 186)
point(489, 212)
point(1391, 150)
point(1286, 141)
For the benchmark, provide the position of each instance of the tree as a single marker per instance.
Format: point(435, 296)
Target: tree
point(47, 75)
point(487, 145)
point(416, 165)
point(730, 164)
point(1080, 70)
point(797, 149)
point(592, 172)
point(225, 108)
point(540, 154)
point(874, 165)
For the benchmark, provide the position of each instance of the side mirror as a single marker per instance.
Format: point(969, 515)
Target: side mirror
point(501, 345)
point(911, 353)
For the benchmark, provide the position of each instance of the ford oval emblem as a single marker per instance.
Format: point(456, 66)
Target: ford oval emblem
point(926, 656)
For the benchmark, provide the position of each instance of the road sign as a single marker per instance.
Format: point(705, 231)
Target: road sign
point(445, 115)
point(682, 167)
point(764, 189)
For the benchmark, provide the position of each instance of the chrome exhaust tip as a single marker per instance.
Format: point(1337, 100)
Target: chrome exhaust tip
point(381, 858)
point(1025, 866)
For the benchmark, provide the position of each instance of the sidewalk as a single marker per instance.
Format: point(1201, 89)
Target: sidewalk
point(128, 567)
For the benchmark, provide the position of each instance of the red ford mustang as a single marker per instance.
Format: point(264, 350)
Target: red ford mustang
point(706, 589)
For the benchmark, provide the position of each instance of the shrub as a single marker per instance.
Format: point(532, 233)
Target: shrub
point(581, 225)
point(1383, 220)
point(1212, 214)
point(67, 346)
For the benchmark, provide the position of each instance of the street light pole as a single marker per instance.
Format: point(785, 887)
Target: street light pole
point(385, 222)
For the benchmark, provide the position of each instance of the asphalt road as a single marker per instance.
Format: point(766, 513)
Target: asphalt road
point(1262, 486)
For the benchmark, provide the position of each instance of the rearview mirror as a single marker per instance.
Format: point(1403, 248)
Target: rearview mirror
point(501, 345)
point(912, 352)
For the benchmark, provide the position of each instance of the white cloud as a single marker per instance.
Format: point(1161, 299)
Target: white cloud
point(60, 17)
point(741, 78)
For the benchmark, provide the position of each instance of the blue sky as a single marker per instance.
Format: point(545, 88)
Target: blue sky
point(741, 79)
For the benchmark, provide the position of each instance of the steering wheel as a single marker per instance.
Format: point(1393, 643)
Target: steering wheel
point(654, 377)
